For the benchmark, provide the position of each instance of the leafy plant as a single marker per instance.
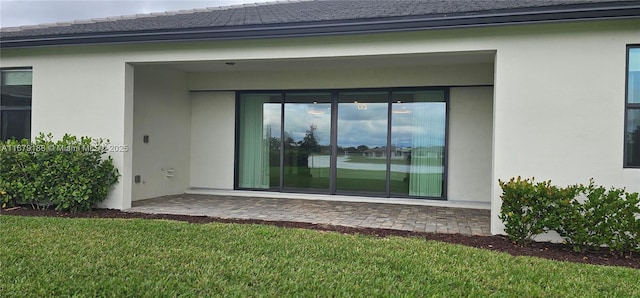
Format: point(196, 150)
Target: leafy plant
point(607, 217)
point(587, 217)
point(19, 172)
point(70, 173)
point(528, 207)
point(6, 200)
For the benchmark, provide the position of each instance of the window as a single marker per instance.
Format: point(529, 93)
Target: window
point(15, 104)
point(258, 140)
point(632, 125)
point(376, 142)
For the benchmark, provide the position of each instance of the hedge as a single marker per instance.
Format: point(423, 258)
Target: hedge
point(585, 216)
point(70, 174)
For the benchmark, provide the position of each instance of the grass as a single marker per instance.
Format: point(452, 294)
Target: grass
point(366, 181)
point(153, 258)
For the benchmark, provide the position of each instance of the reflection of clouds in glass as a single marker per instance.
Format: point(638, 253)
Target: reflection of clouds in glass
point(401, 135)
point(298, 120)
point(272, 118)
point(371, 133)
point(634, 59)
point(423, 127)
point(363, 127)
point(373, 111)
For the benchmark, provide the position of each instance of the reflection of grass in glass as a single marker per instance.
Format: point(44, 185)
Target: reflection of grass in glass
point(374, 181)
point(303, 177)
point(365, 181)
point(432, 161)
point(274, 177)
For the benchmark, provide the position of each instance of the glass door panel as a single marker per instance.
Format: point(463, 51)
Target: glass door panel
point(361, 162)
point(342, 142)
point(259, 141)
point(418, 121)
point(307, 137)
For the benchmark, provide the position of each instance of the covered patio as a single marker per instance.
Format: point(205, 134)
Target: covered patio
point(190, 130)
point(418, 218)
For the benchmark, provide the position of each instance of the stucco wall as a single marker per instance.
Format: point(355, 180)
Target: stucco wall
point(212, 144)
point(470, 144)
point(558, 108)
point(162, 111)
point(83, 94)
point(346, 77)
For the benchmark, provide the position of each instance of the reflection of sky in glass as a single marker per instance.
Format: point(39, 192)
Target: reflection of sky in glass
point(634, 76)
point(362, 124)
point(422, 126)
point(298, 118)
point(271, 114)
point(634, 59)
point(419, 124)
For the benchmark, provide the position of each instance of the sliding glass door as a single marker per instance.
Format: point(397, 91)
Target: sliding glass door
point(389, 142)
point(418, 143)
point(307, 150)
point(361, 164)
point(258, 139)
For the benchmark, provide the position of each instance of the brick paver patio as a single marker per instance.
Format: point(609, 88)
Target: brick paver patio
point(352, 214)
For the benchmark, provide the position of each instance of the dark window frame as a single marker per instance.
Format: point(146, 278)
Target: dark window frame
point(14, 108)
point(628, 107)
point(334, 99)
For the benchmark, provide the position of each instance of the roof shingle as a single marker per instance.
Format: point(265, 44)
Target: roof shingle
point(291, 13)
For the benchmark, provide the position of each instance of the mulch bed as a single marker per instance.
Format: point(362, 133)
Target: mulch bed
point(553, 251)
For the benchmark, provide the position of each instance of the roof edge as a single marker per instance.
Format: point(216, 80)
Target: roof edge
point(332, 28)
point(142, 15)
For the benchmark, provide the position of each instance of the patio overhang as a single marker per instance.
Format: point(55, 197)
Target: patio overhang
point(188, 110)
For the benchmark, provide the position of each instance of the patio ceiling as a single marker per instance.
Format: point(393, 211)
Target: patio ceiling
point(377, 61)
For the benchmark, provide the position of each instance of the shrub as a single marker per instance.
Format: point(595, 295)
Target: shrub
point(528, 208)
point(19, 171)
point(587, 217)
point(6, 200)
point(70, 173)
point(605, 218)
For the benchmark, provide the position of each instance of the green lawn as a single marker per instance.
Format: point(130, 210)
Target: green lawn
point(367, 181)
point(151, 258)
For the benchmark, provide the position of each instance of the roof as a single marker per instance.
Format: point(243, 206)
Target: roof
point(313, 17)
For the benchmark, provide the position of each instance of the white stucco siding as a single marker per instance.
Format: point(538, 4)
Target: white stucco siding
point(346, 76)
point(83, 95)
point(559, 110)
point(470, 144)
point(162, 111)
point(213, 137)
point(558, 104)
point(564, 106)
point(212, 130)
